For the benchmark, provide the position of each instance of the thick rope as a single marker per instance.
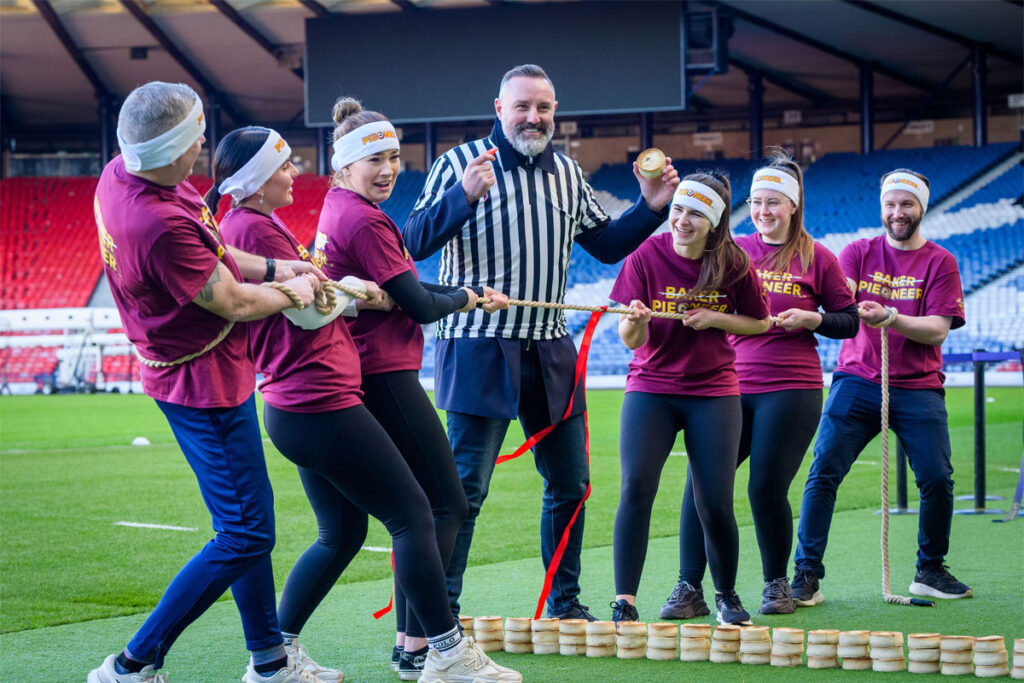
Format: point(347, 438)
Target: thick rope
point(588, 309)
point(886, 592)
point(325, 300)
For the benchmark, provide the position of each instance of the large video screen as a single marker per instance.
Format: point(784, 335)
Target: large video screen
point(438, 65)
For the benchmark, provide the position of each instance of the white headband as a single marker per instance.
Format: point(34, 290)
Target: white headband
point(166, 147)
point(371, 138)
point(259, 169)
point(773, 179)
point(700, 197)
point(909, 183)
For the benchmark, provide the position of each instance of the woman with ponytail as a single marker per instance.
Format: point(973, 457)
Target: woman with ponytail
point(315, 416)
point(355, 236)
point(682, 377)
point(780, 376)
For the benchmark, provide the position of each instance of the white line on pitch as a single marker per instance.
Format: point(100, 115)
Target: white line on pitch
point(869, 463)
point(682, 453)
point(1012, 470)
point(167, 527)
point(376, 549)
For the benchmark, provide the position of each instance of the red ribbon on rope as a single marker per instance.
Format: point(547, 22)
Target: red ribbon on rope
point(581, 375)
point(384, 610)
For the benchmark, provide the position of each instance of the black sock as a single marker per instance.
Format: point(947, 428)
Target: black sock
point(123, 665)
point(271, 667)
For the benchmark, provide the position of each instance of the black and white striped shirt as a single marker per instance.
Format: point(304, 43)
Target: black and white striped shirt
point(518, 239)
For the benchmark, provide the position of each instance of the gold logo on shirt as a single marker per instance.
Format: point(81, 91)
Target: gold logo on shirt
point(107, 245)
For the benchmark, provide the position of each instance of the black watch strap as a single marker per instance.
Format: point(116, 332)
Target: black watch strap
point(271, 270)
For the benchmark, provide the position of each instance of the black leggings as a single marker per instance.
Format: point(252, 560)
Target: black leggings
point(350, 468)
point(650, 423)
point(777, 429)
point(402, 407)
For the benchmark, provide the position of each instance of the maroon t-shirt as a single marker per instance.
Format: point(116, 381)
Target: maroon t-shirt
point(921, 282)
point(304, 371)
point(777, 360)
point(676, 359)
point(354, 237)
point(159, 247)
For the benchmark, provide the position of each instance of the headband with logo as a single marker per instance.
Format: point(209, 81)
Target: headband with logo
point(773, 179)
point(371, 138)
point(166, 147)
point(259, 169)
point(700, 197)
point(909, 183)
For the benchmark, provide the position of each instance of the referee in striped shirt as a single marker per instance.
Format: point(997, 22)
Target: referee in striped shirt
point(509, 221)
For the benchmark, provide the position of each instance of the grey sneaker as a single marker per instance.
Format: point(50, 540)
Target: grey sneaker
point(298, 654)
point(623, 611)
point(685, 602)
point(108, 674)
point(470, 665)
point(805, 589)
point(777, 597)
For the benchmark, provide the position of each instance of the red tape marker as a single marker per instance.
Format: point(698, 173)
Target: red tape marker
point(581, 375)
point(384, 610)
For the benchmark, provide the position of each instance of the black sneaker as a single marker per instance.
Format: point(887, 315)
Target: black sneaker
point(935, 581)
point(410, 665)
point(574, 611)
point(396, 657)
point(685, 602)
point(730, 609)
point(777, 597)
point(805, 589)
point(623, 611)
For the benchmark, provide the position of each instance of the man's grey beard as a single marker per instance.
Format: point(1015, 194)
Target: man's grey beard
point(911, 230)
point(528, 148)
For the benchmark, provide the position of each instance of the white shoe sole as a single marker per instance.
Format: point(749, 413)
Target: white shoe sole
point(926, 590)
point(815, 600)
point(718, 616)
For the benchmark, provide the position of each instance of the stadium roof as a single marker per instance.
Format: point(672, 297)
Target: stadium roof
point(56, 56)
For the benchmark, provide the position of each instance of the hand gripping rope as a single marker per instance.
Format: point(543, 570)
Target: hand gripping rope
point(325, 300)
point(886, 592)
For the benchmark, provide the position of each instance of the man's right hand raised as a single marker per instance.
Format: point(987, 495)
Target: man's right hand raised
point(478, 177)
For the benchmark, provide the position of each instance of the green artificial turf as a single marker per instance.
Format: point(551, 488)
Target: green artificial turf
point(67, 474)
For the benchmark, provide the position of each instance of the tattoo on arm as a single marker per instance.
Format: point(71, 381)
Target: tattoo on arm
point(206, 293)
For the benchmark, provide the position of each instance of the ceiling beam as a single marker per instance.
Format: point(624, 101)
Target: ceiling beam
point(315, 7)
point(51, 18)
point(932, 29)
point(248, 29)
point(184, 62)
point(826, 48)
point(783, 81)
point(405, 5)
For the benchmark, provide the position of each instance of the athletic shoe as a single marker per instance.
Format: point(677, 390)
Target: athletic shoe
point(935, 581)
point(805, 589)
point(685, 602)
point(574, 611)
point(623, 611)
point(289, 674)
point(410, 665)
point(298, 654)
point(396, 657)
point(470, 665)
point(108, 674)
point(730, 609)
point(777, 597)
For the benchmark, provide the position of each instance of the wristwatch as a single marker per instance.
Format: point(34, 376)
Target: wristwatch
point(271, 270)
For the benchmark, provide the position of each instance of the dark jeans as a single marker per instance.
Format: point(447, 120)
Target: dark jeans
point(850, 420)
point(560, 459)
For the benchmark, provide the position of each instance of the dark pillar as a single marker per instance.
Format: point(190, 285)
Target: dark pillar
point(979, 70)
point(867, 109)
point(105, 136)
point(646, 130)
point(755, 88)
point(323, 151)
point(213, 129)
point(429, 144)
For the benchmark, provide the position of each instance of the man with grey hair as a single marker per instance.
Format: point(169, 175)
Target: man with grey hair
point(506, 211)
point(183, 300)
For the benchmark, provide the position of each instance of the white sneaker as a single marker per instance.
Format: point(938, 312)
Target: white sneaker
point(289, 674)
point(317, 674)
point(471, 665)
point(108, 674)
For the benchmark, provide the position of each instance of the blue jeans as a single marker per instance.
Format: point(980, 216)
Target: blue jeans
point(225, 450)
point(850, 420)
point(560, 459)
